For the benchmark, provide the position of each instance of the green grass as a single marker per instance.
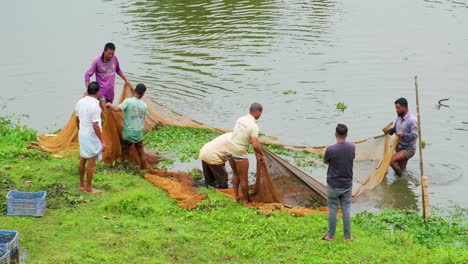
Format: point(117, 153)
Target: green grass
point(134, 222)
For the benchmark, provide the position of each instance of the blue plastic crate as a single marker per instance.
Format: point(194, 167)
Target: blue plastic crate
point(9, 239)
point(4, 256)
point(26, 203)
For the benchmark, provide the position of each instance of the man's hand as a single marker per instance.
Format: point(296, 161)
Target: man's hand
point(400, 134)
point(262, 159)
point(103, 145)
point(108, 104)
point(386, 130)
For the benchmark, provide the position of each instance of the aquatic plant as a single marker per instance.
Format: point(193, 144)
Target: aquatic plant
point(195, 174)
point(185, 143)
point(341, 106)
point(289, 92)
point(424, 144)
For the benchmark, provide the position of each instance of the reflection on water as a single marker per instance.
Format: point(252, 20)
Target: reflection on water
point(397, 192)
point(394, 192)
point(219, 46)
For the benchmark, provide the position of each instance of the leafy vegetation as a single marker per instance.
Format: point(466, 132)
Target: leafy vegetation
point(185, 143)
point(195, 174)
point(303, 159)
point(289, 91)
point(15, 133)
point(431, 232)
point(424, 144)
point(341, 106)
point(134, 222)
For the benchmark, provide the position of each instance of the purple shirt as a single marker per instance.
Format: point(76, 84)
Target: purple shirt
point(105, 75)
point(340, 158)
point(409, 126)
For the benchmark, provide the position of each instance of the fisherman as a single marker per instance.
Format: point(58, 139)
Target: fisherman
point(214, 156)
point(134, 110)
point(88, 121)
point(406, 128)
point(339, 158)
point(105, 67)
point(245, 132)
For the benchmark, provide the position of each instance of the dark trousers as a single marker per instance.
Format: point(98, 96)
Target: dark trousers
point(215, 175)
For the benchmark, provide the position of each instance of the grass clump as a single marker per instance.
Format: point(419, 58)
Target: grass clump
point(15, 133)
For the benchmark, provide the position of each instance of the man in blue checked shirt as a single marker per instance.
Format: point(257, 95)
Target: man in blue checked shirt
point(406, 127)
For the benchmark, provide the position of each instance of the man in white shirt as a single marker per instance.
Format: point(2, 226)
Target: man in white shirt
point(88, 121)
point(214, 156)
point(245, 132)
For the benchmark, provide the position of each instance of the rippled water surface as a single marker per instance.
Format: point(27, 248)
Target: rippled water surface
point(211, 59)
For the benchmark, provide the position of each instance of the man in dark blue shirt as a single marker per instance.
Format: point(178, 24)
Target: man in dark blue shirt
point(339, 158)
point(406, 127)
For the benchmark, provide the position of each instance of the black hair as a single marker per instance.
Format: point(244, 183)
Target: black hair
point(110, 46)
point(402, 102)
point(93, 88)
point(256, 107)
point(140, 89)
point(341, 130)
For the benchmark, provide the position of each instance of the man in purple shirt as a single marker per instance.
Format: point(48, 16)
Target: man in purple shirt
point(406, 127)
point(339, 158)
point(105, 67)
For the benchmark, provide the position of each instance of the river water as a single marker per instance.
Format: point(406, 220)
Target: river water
point(211, 59)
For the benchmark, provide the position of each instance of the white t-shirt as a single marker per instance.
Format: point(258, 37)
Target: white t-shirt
point(88, 111)
point(215, 151)
point(245, 128)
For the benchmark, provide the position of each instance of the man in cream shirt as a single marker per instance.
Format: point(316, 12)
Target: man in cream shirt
point(245, 132)
point(214, 156)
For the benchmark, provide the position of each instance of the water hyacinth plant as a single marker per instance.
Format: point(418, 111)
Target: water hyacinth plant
point(341, 106)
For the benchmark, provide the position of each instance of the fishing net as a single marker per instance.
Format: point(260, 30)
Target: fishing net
point(179, 187)
point(277, 181)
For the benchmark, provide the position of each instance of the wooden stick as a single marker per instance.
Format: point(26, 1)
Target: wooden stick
point(424, 184)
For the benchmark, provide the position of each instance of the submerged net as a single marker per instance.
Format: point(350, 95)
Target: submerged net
point(277, 181)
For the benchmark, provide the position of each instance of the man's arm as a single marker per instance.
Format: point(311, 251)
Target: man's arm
point(114, 107)
point(89, 72)
point(326, 159)
point(77, 119)
point(122, 75)
point(390, 131)
point(119, 71)
point(413, 134)
point(257, 148)
point(98, 132)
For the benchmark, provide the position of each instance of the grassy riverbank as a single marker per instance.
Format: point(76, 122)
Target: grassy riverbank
point(134, 222)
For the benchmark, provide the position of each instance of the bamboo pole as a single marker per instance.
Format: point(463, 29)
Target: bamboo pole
point(424, 182)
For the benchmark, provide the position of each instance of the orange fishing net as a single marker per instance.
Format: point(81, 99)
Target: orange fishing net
point(179, 187)
point(278, 183)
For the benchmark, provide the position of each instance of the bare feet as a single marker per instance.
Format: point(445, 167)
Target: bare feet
point(81, 187)
point(92, 190)
point(349, 239)
point(327, 238)
point(246, 202)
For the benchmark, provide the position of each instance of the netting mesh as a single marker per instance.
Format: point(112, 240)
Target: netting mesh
point(277, 181)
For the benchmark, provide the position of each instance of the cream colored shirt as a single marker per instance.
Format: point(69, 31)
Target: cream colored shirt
point(245, 128)
point(215, 151)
